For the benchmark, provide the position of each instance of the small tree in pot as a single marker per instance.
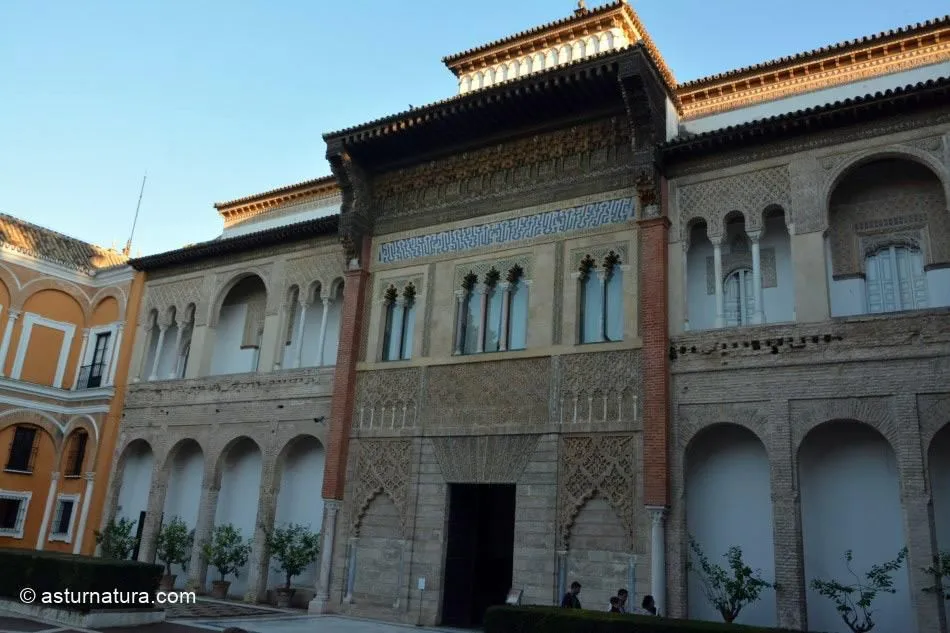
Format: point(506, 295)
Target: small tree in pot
point(227, 552)
point(294, 547)
point(728, 591)
point(174, 548)
point(116, 540)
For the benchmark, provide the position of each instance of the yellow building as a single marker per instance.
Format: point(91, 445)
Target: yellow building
point(63, 358)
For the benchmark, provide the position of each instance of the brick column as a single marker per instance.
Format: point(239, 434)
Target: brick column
point(919, 531)
point(208, 506)
point(654, 244)
point(341, 417)
point(260, 558)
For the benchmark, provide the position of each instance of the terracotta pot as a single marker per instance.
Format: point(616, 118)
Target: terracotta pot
point(284, 596)
point(219, 589)
point(167, 583)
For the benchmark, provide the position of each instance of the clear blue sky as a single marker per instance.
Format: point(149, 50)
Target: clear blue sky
point(218, 99)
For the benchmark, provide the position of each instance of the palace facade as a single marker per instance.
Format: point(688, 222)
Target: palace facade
point(64, 355)
point(552, 327)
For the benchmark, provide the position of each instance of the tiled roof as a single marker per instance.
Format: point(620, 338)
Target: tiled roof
point(935, 92)
point(44, 244)
point(223, 246)
point(840, 47)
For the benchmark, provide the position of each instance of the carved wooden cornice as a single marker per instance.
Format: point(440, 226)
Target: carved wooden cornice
point(242, 209)
point(890, 52)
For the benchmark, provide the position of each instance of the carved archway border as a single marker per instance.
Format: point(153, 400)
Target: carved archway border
point(382, 466)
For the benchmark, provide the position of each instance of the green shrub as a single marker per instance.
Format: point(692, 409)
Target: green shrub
point(53, 571)
point(557, 620)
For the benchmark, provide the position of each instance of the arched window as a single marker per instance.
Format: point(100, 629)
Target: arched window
point(493, 315)
point(739, 298)
point(895, 279)
point(601, 305)
point(77, 454)
point(400, 319)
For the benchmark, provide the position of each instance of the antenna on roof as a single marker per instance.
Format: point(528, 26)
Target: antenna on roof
point(128, 245)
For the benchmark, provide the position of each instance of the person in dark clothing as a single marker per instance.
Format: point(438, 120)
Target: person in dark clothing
point(570, 599)
point(649, 605)
point(615, 605)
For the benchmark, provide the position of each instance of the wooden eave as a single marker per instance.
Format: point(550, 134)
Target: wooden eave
point(276, 236)
point(921, 96)
point(574, 91)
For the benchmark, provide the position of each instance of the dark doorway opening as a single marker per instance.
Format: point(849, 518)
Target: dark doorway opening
point(479, 552)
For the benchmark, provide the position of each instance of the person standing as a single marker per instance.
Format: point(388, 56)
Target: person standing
point(570, 599)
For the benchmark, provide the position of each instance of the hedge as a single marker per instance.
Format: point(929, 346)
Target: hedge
point(56, 572)
point(557, 620)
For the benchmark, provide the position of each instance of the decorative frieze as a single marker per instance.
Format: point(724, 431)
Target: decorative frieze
point(484, 459)
point(178, 294)
point(382, 467)
point(509, 231)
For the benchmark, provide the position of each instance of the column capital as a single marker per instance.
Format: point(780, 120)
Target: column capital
point(460, 295)
point(658, 514)
point(89, 476)
point(326, 301)
point(332, 505)
point(12, 315)
point(717, 240)
point(754, 236)
point(54, 476)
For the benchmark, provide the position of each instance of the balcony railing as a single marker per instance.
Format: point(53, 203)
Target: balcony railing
point(90, 376)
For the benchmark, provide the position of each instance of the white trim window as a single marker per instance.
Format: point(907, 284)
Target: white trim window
point(400, 323)
point(31, 320)
point(601, 300)
point(14, 505)
point(493, 315)
point(895, 280)
point(61, 529)
point(739, 298)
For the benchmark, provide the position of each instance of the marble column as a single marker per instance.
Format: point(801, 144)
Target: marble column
point(80, 533)
point(177, 351)
point(658, 557)
point(7, 333)
point(47, 511)
point(561, 576)
point(350, 570)
point(460, 321)
point(323, 330)
point(717, 265)
point(301, 329)
point(331, 508)
point(482, 294)
point(758, 314)
point(153, 374)
point(82, 355)
point(505, 309)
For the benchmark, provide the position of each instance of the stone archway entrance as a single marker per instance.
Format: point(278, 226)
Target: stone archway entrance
point(479, 555)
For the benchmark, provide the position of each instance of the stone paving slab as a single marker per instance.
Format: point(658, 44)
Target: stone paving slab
point(23, 624)
point(205, 609)
point(312, 624)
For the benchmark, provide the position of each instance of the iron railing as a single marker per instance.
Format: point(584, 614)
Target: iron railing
point(90, 376)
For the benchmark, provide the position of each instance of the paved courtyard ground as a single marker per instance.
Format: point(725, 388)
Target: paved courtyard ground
point(213, 615)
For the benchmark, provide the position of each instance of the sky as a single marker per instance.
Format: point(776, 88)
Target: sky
point(219, 99)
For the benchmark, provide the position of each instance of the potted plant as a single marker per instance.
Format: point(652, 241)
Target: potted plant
point(117, 540)
point(294, 547)
point(174, 548)
point(227, 552)
point(853, 602)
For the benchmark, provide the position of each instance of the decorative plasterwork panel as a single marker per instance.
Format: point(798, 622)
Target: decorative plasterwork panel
point(750, 193)
point(601, 466)
point(526, 262)
point(399, 283)
point(486, 395)
point(732, 262)
point(382, 467)
point(598, 252)
point(322, 269)
point(521, 165)
point(508, 231)
point(484, 459)
point(600, 387)
point(387, 399)
point(179, 294)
